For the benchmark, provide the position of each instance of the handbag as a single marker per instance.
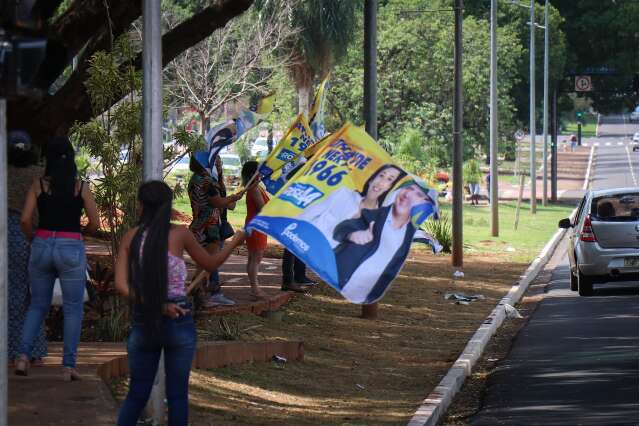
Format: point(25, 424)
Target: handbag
point(56, 299)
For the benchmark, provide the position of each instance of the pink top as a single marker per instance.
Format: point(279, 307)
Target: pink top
point(176, 270)
point(176, 275)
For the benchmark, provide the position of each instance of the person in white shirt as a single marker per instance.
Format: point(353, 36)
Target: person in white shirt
point(373, 247)
point(344, 203)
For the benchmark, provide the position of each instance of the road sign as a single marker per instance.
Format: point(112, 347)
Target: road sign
point(519, 134)
point(583, 83)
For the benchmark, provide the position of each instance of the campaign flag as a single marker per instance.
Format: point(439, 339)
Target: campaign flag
point(350, 213)
point(317, 113)
point(223, 135)
point(284, 157)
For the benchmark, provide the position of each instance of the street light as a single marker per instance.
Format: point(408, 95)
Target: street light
point(546, 70)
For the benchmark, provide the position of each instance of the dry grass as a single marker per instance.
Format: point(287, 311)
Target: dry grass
point(355, 371)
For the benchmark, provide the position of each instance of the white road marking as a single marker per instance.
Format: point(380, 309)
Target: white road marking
point(587, 177)
point(596, 143)
point(608, 143)
point(585, 144)
point(632, 171)
point(234, 280)
point(619, 143)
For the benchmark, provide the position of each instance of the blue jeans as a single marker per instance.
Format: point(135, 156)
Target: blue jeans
point(178, 339)
point(53, 258)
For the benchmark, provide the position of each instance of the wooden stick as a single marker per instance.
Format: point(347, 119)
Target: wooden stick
point(195, 282)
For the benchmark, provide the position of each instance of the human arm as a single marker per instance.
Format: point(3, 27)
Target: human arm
point(209, 261)
point(30, 204)
point(91, 210)
point(358, 230)
point(122, 264)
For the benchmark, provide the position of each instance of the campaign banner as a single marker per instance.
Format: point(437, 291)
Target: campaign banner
point(317, 113)
point(284, 157)
point(350, 213)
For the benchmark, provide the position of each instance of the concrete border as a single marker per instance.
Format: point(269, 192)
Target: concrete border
point(438, 401)
point(589, 169)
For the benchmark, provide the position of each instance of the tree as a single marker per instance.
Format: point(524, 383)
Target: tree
point(326, 28)
point(86, 27)
point(415, 65)
point(235, 61)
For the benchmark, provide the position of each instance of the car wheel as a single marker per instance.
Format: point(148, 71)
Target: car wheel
point(585, 285)
point(574, 282)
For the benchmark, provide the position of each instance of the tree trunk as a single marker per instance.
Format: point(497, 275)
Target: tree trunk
point(303, 95)
point(204, 122)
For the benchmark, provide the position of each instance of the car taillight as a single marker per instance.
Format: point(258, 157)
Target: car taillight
point(587, 233)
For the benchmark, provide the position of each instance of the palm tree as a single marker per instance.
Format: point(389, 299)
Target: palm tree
point(325, 29)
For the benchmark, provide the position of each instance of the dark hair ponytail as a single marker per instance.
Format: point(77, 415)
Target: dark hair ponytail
point(149, 252)
point(60, 167)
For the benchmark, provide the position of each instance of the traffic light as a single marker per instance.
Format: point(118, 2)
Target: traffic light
point(579, 115)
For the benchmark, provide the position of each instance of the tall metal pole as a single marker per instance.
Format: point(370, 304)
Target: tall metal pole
point(153, 148)
point(553, 157)
point(533, 168)
point(370, 94)
point(458, 147)
point(370, 67)
point(494, 124)
point(4, 265)
point(546, 71)
point(152, 91)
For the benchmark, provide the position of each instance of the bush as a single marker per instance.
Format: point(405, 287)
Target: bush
point(442, 230)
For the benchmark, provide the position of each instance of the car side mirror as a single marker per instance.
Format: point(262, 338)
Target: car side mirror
point(565, 223)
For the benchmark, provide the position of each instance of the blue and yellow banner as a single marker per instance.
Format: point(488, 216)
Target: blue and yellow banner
point(350, 213)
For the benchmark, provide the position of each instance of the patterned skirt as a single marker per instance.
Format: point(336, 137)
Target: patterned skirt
point(19, 293)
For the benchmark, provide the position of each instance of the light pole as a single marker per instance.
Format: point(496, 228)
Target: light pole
point(533, 168)
point(458, 147)
point(494, 127)
point(370, 94)
point(546, 70)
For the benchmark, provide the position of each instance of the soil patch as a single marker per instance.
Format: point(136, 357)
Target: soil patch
point(355, 371)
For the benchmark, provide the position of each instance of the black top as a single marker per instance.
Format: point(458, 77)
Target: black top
point(60, 212)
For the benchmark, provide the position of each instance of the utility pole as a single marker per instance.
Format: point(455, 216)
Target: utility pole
point(553, 162)
point(494, 124)
point(153, 148)
point(546, 70)
point(458, 147)
point(4, 267)
point(370, 94)
point(533, 168)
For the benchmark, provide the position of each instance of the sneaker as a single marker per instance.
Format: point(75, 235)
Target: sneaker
point(218, 299)
point(306, 281)
point(293, 287)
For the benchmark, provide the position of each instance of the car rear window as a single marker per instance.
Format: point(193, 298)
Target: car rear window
point(616, 208)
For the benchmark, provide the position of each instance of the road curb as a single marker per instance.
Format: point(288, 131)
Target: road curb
point(438, 401)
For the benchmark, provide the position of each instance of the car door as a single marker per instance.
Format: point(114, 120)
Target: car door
point(573, 233)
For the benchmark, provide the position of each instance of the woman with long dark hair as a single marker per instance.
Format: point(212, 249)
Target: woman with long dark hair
point(346, 203)
point(150, 271)
point(57, 250)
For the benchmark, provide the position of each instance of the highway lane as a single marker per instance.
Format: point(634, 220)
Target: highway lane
point(576, 362)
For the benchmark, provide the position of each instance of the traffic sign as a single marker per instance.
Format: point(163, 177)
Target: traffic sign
point(583, 83)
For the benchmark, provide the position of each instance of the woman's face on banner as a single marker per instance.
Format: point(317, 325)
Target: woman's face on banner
point(382, 182)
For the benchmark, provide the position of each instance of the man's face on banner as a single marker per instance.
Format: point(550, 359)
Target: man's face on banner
point(408, 197)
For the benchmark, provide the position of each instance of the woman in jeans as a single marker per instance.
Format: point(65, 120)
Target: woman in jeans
point(150, 272)
point(57, 251)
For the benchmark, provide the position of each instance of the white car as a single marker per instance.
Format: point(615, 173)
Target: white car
point(231, 164)
point(635, 138)
point(634, 115)
point(259, 149)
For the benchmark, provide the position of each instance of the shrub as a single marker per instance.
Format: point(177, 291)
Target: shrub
point(442, 230)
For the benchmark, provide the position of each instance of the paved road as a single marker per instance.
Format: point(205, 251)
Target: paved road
point(576, 362)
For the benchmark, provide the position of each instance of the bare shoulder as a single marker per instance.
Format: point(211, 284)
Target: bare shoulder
point(179, 230)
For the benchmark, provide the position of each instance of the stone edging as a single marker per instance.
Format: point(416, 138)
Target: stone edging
point(438, 401)
point(218, 354)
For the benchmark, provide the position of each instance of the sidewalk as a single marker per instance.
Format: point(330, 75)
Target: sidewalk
point(571, 172)
point(42, 398)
